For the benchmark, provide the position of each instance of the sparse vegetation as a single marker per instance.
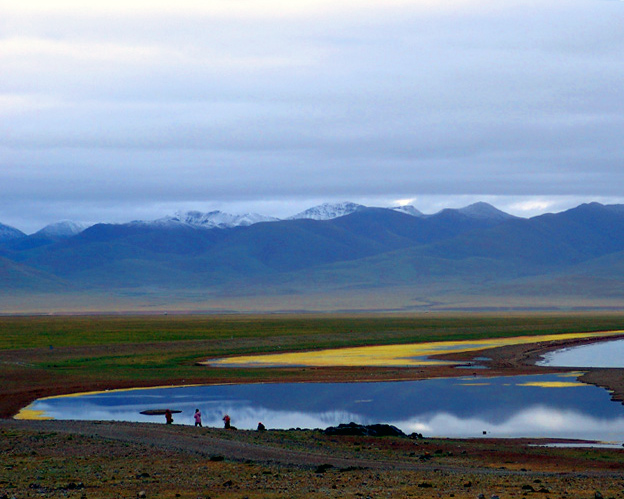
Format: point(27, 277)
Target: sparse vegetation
point(52, 355)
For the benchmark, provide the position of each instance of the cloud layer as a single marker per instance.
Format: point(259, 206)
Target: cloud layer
point(129, 109)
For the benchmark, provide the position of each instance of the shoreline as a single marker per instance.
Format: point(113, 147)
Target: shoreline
point(102, 459)
point(506, 360)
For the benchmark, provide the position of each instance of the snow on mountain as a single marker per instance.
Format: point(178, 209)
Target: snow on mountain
point(220, 220)
point(64, 228)
point(484, 211)
point(7, 233)
point(328, 211)
point(212, 220)
point(408, 210)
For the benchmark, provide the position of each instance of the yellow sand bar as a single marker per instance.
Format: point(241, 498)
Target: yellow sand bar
point(30, 414)
point(413, 354)
point(554, 384)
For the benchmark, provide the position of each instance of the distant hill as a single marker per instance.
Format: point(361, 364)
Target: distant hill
point(477, 251)
point(62, 229)
point(17, 277)
point(8, 233)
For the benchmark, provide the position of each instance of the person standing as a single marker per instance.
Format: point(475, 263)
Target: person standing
point(226, 421)
point(197, 417)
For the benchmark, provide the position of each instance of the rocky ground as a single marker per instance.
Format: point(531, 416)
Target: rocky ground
point(109, 460)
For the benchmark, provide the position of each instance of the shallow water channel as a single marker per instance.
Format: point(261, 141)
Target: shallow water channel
point(603, 354)
point(519, 406)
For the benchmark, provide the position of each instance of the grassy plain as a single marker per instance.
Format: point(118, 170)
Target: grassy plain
point(46, 355)
point(59, 354)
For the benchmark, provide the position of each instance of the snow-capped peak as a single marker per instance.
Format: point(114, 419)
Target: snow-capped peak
point(328, 211)
point(213, 219)
point(64, 228)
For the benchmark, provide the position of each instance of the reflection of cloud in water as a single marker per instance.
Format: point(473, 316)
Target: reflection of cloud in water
point(246, 417)
point(536, 421)
point(516, 406)
point(243, 416)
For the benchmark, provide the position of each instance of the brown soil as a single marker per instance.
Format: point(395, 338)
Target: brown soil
point(102, 459)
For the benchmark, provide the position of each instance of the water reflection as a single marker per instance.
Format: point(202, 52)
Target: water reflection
point(604, 354)
point(529, 406)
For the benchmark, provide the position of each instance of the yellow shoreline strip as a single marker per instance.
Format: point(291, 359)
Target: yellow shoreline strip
point(37, 414)
point(555, 384)
point(412, 354)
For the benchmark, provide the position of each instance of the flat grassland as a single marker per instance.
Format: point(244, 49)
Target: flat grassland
point(50, 355)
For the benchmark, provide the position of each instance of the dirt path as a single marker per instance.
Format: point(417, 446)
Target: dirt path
point(206, 442)
point(272, 448)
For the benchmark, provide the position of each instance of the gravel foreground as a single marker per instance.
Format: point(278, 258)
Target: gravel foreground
point(85, 459)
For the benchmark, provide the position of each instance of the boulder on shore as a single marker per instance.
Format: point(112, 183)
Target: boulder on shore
point(373, 430)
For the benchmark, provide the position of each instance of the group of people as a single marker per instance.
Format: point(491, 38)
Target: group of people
point(227, 421)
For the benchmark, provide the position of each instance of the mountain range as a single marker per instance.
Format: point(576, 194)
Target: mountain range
point(400, 259)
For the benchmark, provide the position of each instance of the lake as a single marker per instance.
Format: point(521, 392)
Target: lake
point(603, 354)
point(519, 406)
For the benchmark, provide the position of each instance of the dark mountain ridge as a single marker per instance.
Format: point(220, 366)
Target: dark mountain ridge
point(371, 248)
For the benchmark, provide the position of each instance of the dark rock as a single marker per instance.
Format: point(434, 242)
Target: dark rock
point(425, 485)
point(374, 430)
point(322, 468)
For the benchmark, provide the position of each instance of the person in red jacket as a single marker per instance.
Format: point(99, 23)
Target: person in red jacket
point(226, 420)
point(197, 417)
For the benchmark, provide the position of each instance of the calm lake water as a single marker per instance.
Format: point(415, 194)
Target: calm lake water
point(603, 354)
point(519, 406)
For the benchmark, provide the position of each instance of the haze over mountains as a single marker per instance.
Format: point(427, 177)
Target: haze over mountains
point(398, 258)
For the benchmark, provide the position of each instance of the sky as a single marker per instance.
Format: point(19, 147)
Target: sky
point(114, 111)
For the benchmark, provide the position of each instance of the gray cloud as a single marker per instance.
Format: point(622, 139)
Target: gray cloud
point(131, 113)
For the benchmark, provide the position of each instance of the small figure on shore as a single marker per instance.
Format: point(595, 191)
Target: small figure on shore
point(168, 417)
point(197, 417)
point(226, 421)
point(261, 426)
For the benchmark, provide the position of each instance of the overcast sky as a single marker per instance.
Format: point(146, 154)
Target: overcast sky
point(114, 111)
